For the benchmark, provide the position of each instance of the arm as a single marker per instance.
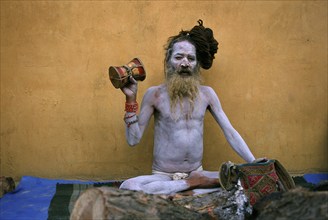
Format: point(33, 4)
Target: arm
point(135, 126)
point(232, 136)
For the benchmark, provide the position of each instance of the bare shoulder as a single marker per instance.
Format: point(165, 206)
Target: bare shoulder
point(211, 97)
point(208, 91)
point(154, 92)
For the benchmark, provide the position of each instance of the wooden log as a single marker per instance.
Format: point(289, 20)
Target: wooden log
point(221, 204)
point(299, 203)
point(111, 203)
point(7, 184)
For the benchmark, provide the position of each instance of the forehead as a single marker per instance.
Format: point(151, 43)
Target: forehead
point(184, 47)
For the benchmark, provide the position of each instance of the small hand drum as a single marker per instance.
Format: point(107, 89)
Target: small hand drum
point(119, 75)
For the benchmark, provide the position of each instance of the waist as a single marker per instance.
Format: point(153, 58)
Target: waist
point(177, 175)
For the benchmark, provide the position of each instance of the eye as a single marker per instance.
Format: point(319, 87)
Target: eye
point(178, 57)
point(191, 58)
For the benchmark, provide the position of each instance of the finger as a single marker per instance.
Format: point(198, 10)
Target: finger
point(125, 91)
point(132, 80)
point(260, 160)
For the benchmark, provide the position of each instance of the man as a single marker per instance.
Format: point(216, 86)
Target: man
point(179, 107)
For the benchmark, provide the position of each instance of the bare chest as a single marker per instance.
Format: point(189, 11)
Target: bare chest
point(183, 110)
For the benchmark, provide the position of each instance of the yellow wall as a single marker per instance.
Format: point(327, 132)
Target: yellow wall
point(62, 118)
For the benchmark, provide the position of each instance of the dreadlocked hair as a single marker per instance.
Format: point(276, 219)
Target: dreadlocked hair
point(203, 40)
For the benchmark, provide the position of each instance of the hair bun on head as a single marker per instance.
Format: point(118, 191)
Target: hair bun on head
point(206, 45)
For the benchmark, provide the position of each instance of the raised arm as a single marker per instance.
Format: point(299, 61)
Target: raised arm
point(232, 136)
point(134, 125)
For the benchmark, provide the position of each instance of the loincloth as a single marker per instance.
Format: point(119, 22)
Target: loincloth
point(177, 175)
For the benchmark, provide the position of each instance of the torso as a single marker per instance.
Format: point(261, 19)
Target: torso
point(178, 144)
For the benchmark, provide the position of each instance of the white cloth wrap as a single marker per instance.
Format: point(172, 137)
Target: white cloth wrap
point(178, 175)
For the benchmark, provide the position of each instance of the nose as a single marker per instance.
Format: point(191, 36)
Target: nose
point(185, 63)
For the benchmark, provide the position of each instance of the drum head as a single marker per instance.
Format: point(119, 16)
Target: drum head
point(115, 77)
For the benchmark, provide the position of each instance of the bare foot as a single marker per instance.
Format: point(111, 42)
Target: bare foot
point(198, 180)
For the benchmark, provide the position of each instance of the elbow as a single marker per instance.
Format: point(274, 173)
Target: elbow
point(233, 137)
point(133, 142)
point(230, 135)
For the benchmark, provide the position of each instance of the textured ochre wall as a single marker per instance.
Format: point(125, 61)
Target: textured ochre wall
point(62, 118)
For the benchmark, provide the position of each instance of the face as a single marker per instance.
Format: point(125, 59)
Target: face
point(183, 59)
point(182, 77)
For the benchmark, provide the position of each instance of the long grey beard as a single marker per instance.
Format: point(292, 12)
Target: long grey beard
point(182, 88)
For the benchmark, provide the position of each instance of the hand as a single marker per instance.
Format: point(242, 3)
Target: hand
point(260, 160)
point(130, 90)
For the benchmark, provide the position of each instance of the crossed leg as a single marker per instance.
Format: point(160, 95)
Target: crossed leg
point(163, 184)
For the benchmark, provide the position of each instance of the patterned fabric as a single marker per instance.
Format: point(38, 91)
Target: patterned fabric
point(258, 179)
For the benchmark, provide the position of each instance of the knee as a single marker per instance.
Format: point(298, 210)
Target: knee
point(130, 184)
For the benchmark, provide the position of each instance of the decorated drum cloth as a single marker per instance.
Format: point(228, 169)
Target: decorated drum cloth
point(258, 179)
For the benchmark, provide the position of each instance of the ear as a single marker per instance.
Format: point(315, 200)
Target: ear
point(168, 54)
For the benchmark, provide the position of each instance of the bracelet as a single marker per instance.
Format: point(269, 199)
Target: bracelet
point(129, 116)
point(131, 122)
point(131, 107)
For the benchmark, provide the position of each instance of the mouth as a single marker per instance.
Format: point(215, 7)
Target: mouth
point(185, 73)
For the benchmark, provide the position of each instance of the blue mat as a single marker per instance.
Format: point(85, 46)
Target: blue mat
point(315, 178)
point(31, 198)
